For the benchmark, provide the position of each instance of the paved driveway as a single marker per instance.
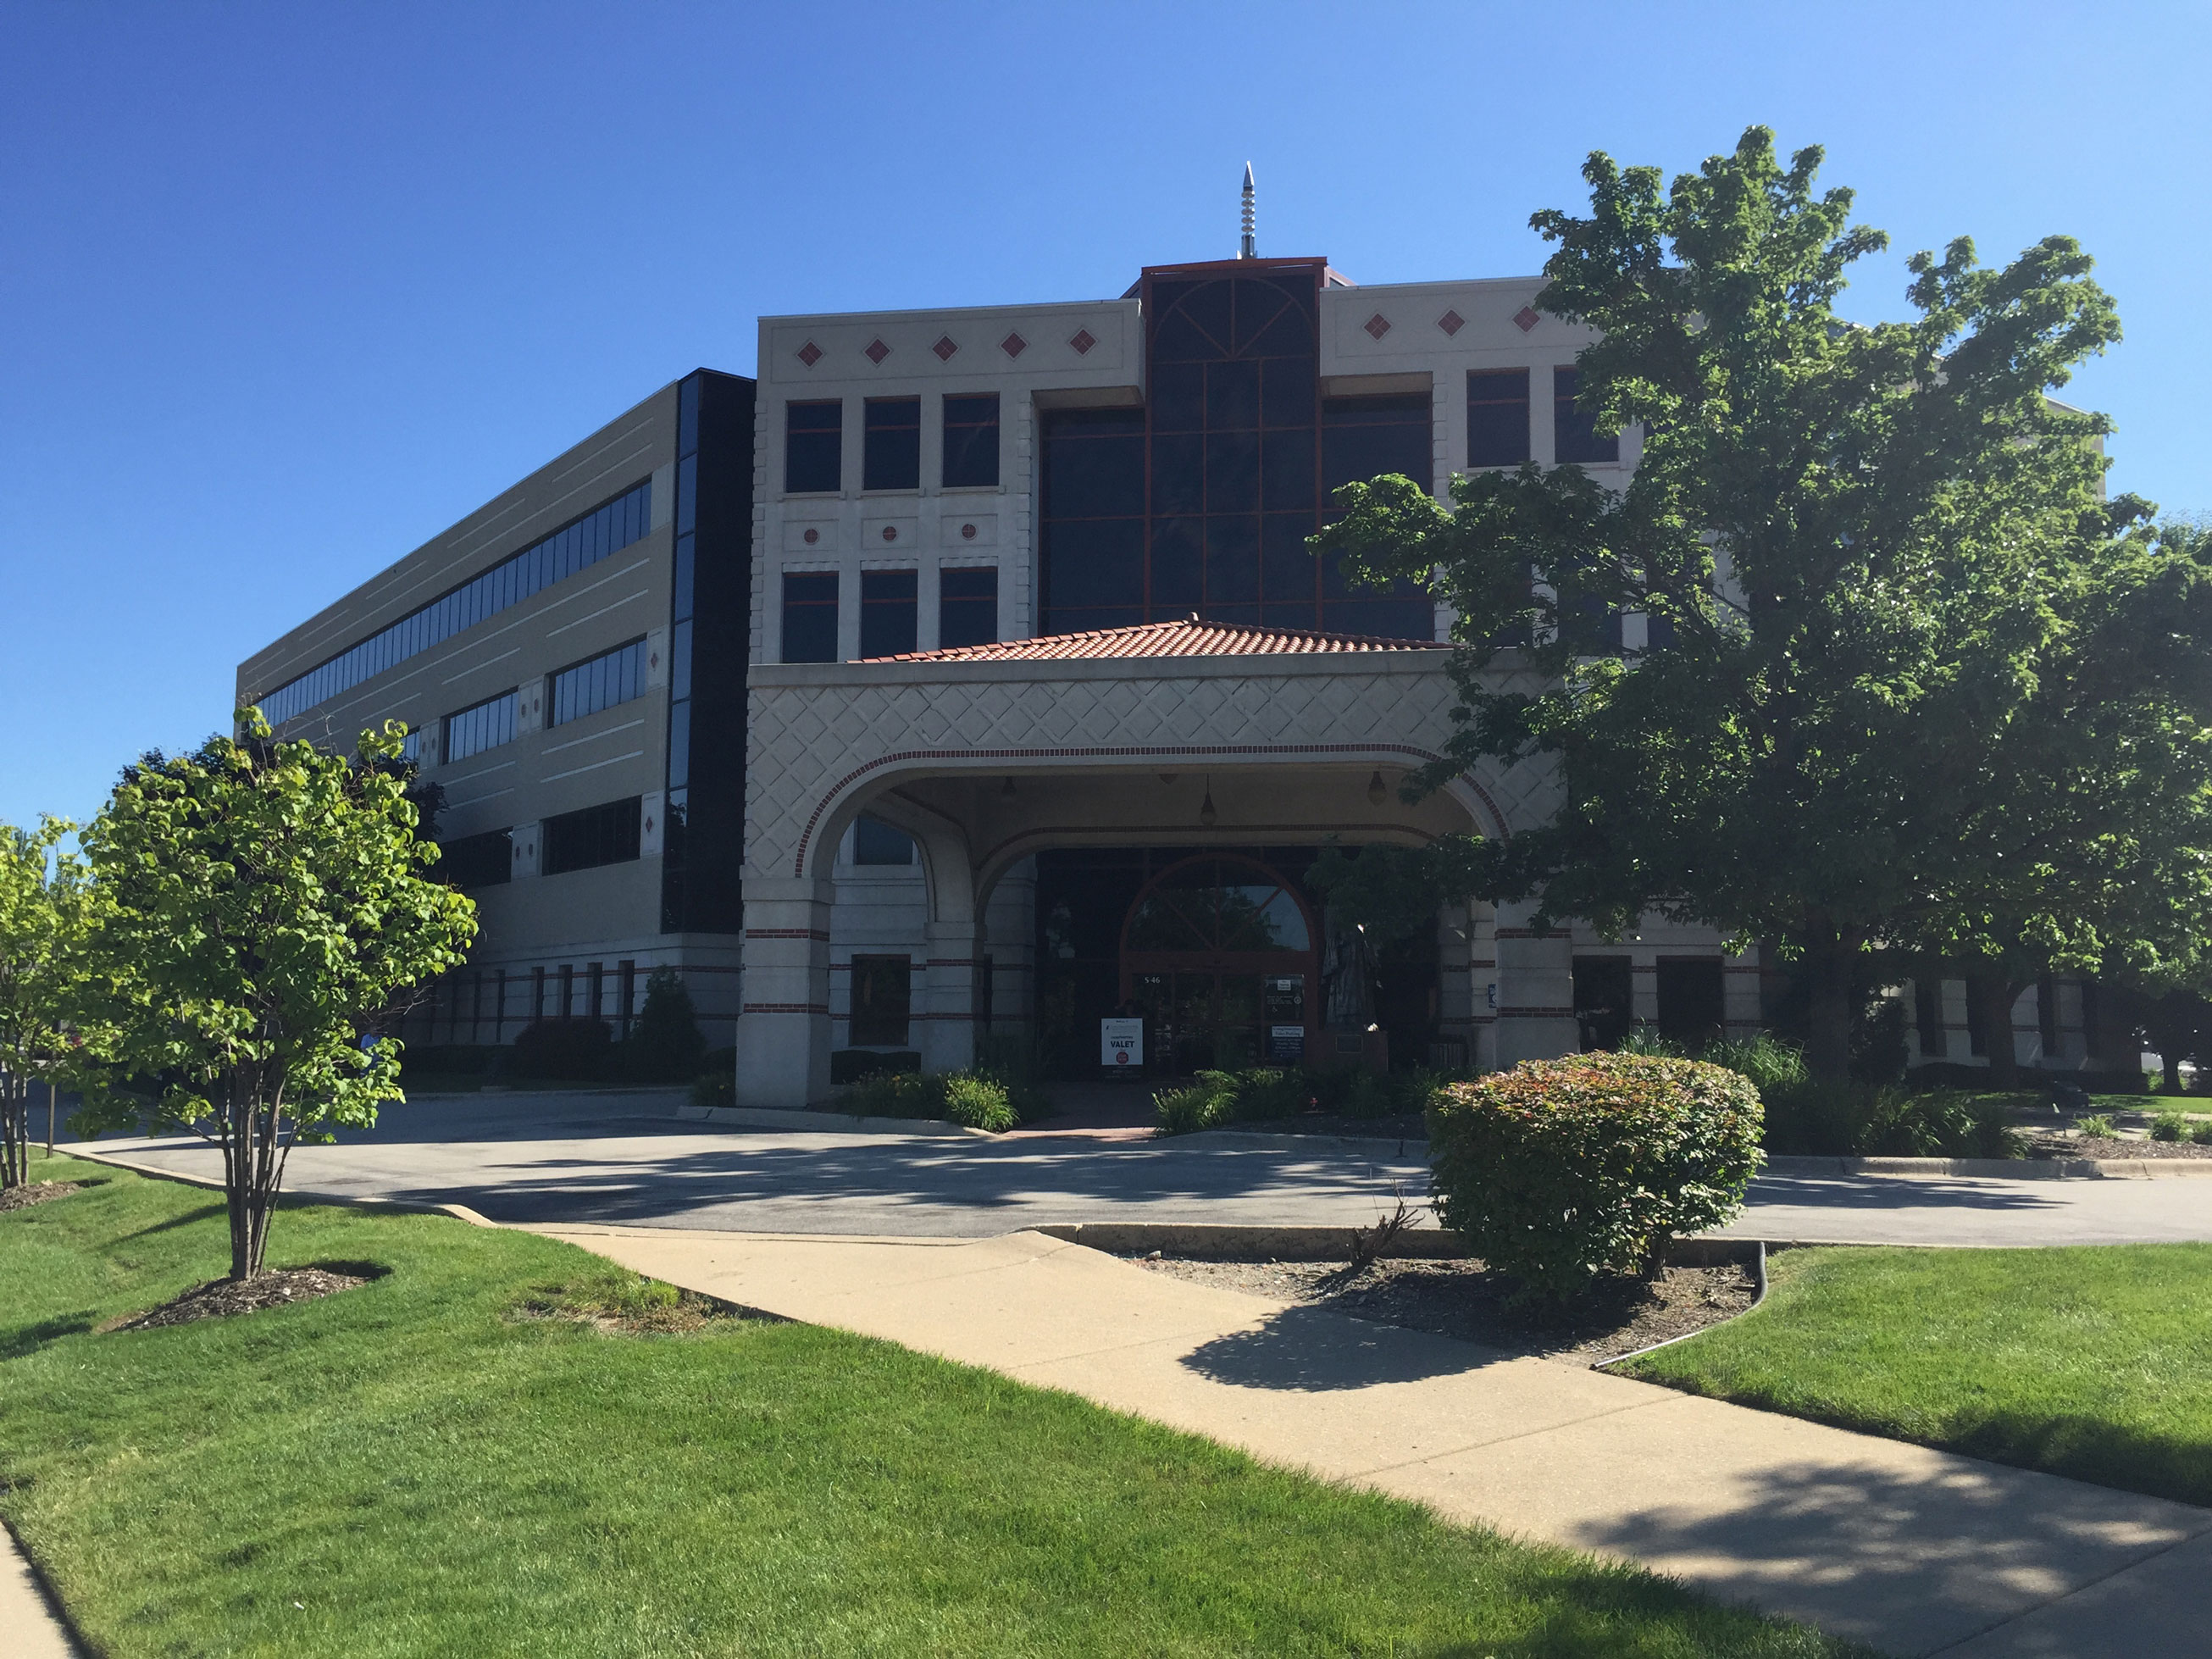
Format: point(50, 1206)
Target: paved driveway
point(619, 1157)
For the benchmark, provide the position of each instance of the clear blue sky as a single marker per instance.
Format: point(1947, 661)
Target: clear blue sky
point(285, 289)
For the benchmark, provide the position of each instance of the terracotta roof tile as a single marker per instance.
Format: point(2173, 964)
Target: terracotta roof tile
point(1189, 638)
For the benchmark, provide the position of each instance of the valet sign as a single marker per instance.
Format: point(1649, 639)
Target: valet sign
point(1121, 1043)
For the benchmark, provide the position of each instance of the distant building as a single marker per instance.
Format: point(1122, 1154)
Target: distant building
point(970, 673)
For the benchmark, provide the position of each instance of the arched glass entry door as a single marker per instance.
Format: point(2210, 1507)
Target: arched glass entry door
point(1219, 954)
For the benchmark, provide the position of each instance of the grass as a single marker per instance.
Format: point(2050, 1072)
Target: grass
point(472, 1456)
point(2093, 1362)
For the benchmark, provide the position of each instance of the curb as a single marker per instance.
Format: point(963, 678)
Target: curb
point(1207, 1241)
point(2002, 1168)
point(206, 1184)
point(762, 1117)
point(1757, 1296)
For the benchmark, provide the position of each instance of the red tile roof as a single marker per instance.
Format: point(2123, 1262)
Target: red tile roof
point(1190, 638)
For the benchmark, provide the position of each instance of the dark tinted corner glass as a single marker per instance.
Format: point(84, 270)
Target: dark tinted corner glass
point(971, 441)
point(1575, 436)
point(1497, 417)
point(813, 446)
point(887, 612)
point(875, 842)
point(890, 455)
point(967, 607)
point(810, 616)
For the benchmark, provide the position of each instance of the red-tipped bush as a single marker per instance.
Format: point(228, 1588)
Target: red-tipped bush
point(1561, 1168)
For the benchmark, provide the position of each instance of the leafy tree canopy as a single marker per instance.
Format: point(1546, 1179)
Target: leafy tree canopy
point(46, 903)
point(265, 903)
point(1913, 681)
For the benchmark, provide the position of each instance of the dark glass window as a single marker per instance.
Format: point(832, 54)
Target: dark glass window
point(598, 682)
point(2046, 1016)
point(875, 842)
point(1574, 431)
point(599, 534)
point(485, 726)
point(882, 995)
point(967, 607)
point(810, 616)
point(485, 860)
point(887, 612)
point(971, 441)
point(595, 836)
point(1363, 439)
point(1093, 524)
point(1604, 1000)
point(891, 448)
point(1927, 1018)
point(1497, 416)
point(1692, 1006)
point(813, 446)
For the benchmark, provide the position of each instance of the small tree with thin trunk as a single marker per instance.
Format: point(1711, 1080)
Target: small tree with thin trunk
point(44, 902)
point(264, 903)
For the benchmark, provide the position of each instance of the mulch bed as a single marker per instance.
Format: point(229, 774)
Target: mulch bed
point(1464, 1299)
point(219, 1298)
point(37, 1192)
point(2101, 1146)
point(1407, 1127)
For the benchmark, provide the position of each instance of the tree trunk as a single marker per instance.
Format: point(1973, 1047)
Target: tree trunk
point(1831, 962)
point(15, 1131)
point(250, 1173)
point(1993, 998)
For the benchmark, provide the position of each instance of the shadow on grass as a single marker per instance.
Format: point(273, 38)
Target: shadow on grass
point(186, 1218)
point(29, 1339)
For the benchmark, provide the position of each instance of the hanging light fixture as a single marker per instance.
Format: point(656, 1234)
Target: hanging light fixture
point(1375, 790)
point(1205, 812)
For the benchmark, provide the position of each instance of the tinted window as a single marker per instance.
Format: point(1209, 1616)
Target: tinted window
point(485, 860)
point(891, 453)
point(586, 839)
point(598, 682)
point(971, 441)
point(881, 998)
point(487, 726)
point(1497, 417)
point(608, 529)
point(813, 446)
point(887, 612)
point(810, 616)
point(967, 607)
point(1093, 526)
point(1363, 439)
point(875, 842)
point(1574, 432)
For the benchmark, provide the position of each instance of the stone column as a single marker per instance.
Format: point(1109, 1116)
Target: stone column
point(1535, 989)
point(1739, 989)
point(783, 1024)
point(1482, 986)
point(946, 1029)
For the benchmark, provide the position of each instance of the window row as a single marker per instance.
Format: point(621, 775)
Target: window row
point(598, 535)
point(1498, 430)
point(967, 612)
point(597, 682)
point(891, 444)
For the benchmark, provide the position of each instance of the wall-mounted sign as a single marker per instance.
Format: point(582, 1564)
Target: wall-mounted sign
point(1121, 1043)
point(1286, 1042)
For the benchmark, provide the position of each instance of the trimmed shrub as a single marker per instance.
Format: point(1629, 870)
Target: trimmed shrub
point(2169, 1126)
point(2098, 1126)
point(665, 1045)
point(448, 1059)
point(716, 1083)
point(2200, 1132)
point(569, 1050)
point(852, 1065)
point(1561, 1168)
point(979, 1102)
point(1012, 1060)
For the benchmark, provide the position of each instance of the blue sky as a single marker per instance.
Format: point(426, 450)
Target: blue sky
point(285, 289)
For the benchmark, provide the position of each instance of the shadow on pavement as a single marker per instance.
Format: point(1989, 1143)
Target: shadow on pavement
point(1310, 1350)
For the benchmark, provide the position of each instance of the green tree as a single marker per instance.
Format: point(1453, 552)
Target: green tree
point(666, 1045)
point(44, 904)
point(1915, 683)
point(265, 903)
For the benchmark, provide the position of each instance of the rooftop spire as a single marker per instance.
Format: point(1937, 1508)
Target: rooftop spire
point(1250, 249)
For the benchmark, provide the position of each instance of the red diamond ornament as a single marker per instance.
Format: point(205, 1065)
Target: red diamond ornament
point(877, 351)
point(1527, 318)
point(810, 353)
point(945, 348)
point(1378, 326)
point(1451, 322)
point(1013, 346)
point(1083, 342)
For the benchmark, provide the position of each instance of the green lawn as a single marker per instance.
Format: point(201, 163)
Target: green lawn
point(414, 1467)
point(2093, 1362)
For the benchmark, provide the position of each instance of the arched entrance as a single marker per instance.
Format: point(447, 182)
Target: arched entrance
point(1221, 954)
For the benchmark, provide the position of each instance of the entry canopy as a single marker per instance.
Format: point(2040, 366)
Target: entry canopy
point(1190, 638)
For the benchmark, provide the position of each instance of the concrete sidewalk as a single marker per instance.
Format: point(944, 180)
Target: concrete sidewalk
point(1915, 1552)
point(29, 1629)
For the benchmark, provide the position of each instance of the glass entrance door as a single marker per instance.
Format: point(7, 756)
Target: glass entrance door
point(1217, 953)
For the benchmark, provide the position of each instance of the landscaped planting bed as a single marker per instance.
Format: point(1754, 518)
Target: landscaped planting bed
point(501, 1444)
point(2093, 1361)
point(1464, 1299)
